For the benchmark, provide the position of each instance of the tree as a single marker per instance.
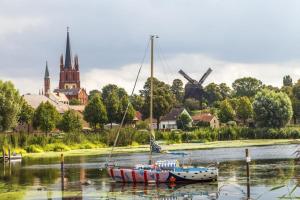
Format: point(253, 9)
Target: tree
point(272, 109)
point(122, 108)
point(26, 114)
point(226, 112)
point(225, 90)
point(74, 102)
point(183, 121)
point(71, 122)
point(246, 86)
point(112, 104)
point(244, 109)
point(92, 92)
point(296, 90)
point(177, 90)
point(213, 93)
point(10, 105)
point(287, 81)
point(163, 99)
point(191, 104)
point(137, 102)
point(95, 112)
point(46, 117)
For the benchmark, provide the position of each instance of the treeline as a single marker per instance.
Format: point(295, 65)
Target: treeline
point(107, 106)
point(248, 102)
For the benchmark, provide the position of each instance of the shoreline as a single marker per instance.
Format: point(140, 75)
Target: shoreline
point(171, 147)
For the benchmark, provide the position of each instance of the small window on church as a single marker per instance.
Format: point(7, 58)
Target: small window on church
point(67, 87)
point(73, 86)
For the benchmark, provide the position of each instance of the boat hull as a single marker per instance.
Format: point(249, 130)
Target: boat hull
point(127, 175)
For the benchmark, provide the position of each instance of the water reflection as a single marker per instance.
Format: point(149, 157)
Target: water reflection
point(41, 179)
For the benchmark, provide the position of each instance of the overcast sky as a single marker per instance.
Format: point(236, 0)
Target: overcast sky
point(235, 38)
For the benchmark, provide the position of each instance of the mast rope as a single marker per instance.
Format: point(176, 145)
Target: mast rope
point(132, 92)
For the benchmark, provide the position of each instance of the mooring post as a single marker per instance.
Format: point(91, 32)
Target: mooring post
point(248, 160)
point(62, 171)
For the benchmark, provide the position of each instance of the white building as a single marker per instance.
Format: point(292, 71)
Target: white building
point(169, 121)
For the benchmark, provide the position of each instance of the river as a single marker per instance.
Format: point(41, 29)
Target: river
point(271, 166)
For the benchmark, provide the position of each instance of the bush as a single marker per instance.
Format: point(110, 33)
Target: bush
point(141, 137)
point(34, 149)
point(57, 147)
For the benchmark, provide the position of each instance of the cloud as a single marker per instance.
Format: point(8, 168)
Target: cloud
point(10, 25)
point(195, 65)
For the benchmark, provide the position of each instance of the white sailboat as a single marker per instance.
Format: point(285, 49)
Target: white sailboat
point(161, 171)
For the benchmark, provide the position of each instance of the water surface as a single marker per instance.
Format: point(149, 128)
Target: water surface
point(271, 166)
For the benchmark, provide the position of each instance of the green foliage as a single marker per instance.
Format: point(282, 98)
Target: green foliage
point(75, 102)
point(142, 125)
point(226, 112)
point(93, 92)
point(244, 109)
point(26, 113)
point(95, 112)
point(272, 109)
point(137, 102)
point(46, 117)
point(71, 122)
point(34, 149)
point(296, 90)
point(215, 92)
point(177, 90)
point(163, 99)
point(191, 104)
point(246, 86)
point(184, 121)
point(111, 101)
point(57, 147)
point(116, 101)
point(10, 106)
point(124, 102)
point(287, 81)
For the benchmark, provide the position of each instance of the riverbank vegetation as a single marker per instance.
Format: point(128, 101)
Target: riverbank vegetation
point(132, 138)
point(250, 110)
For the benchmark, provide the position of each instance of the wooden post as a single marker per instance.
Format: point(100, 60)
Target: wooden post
point(248, 160)
point(62, 172)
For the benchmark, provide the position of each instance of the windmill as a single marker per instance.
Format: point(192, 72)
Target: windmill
point(194, 89)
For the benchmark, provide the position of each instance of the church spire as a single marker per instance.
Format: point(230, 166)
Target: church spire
point(68, 56)
point(46, 71)
point(47, 81)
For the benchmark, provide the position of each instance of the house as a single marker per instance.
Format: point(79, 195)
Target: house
point(34, 100)
point(58, 97)
point(208, 118)
point(169, 121)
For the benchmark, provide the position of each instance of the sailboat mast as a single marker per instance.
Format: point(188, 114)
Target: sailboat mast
point(152, 134)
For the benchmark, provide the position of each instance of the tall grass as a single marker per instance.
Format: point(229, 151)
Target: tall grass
point(130, 136)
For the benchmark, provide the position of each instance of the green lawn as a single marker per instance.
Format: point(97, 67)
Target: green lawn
point(181, 146)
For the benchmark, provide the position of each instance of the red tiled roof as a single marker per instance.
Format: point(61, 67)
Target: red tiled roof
point(204, 117)
point(138, 116)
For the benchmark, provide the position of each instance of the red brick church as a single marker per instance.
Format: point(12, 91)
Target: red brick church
point(69, 77)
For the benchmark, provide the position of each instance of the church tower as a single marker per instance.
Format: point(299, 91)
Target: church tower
point(47, 81)
point(69, 71)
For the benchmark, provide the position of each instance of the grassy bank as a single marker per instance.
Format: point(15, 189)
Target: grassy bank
point(170, 147)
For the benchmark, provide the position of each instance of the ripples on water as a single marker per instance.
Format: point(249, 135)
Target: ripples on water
point(40, 178)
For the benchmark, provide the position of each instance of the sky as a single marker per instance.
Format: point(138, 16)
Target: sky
point(235, 38)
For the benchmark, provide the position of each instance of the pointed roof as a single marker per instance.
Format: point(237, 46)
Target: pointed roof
point(68, 56)
point(47, 71)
